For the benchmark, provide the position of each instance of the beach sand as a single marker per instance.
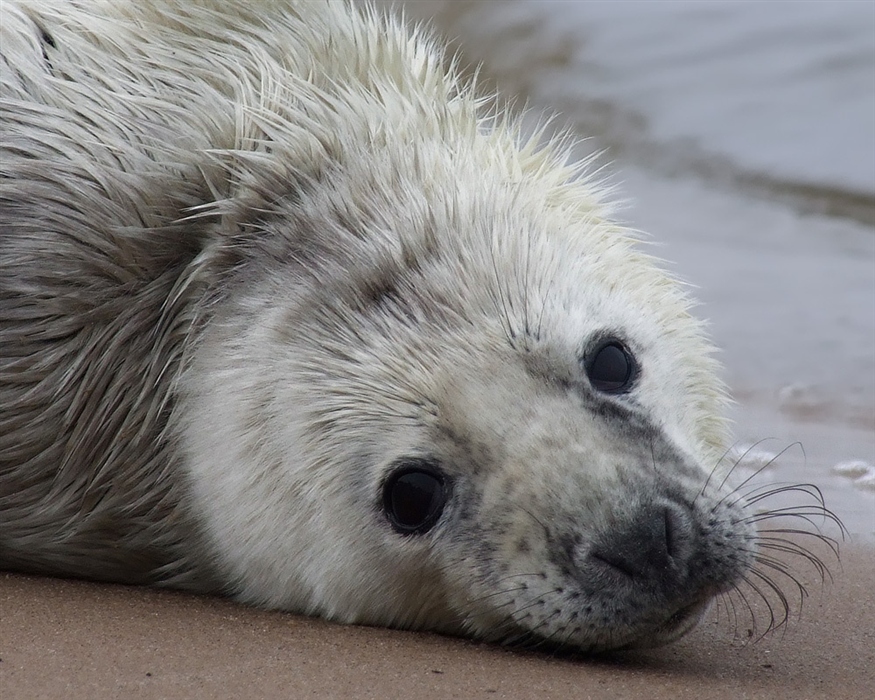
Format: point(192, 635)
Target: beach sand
point(72, 640)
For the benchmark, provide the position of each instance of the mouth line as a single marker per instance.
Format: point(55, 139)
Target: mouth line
point(684, 614)
point(659, 634)
point(673, 628)
point(681, 621)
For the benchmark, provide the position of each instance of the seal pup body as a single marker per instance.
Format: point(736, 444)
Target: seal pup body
point(284, 314)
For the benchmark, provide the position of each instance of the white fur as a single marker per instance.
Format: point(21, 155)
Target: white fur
point(287, 133)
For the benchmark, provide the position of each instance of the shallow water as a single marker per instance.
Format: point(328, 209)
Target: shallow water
point(743, 136)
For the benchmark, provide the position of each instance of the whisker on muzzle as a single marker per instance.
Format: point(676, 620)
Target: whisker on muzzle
point(786, 536)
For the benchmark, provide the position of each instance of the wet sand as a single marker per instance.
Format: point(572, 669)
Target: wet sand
point(72, 640)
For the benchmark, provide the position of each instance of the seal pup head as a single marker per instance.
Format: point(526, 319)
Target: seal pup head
point(434, 386)
point(483, 412)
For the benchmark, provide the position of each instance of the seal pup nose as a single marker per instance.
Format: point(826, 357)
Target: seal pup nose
point(649, 546)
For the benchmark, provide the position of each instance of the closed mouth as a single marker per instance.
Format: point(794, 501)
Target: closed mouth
point(680, 622)
point(675, 627)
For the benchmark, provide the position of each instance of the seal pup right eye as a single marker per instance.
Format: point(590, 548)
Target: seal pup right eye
point(611, 368)
point(414, 497)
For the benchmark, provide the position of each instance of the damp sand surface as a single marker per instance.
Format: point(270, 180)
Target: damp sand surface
point(85, 641)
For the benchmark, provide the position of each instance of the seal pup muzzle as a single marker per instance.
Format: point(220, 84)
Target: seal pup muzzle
point(286, 313)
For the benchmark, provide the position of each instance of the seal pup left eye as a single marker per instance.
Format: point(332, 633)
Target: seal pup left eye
point(611, 368)
point(414, 496)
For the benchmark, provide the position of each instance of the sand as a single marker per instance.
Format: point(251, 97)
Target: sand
point(72, 639)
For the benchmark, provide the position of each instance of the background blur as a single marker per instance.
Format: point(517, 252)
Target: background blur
point(741, 137)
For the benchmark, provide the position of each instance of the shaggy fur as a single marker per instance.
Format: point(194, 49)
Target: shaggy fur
point(254, 253)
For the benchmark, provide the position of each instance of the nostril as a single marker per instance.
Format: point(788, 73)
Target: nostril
point(647, 545)
point(615, 560)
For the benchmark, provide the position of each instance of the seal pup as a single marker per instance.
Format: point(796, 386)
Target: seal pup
point(286, 313)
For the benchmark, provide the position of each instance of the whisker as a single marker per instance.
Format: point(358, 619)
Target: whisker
point(481, 599)
point(787, 513)
point(739, 460)
point(755, 474)
point(825, 539)
point(716, 467)
point(526, 287)
point(542, 641)
point(729, 603)
point(796, 550)
point(749, 607)
point(780, 567)
point(772, 619)
point(537, 520)
point(502, 309)
point(565, 643)
point(544, 298)
point(775, 489)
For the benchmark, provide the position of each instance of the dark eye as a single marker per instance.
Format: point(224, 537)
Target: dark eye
point(414, 496)
point(611, 368)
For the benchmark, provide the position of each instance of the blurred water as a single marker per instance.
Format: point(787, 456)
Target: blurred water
point(743, 134)
point(782, 89)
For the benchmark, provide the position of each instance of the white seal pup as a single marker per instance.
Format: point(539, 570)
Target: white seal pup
point(285, 314)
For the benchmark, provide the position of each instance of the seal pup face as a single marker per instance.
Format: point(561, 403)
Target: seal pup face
point(475, 411)
point(434, 387)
